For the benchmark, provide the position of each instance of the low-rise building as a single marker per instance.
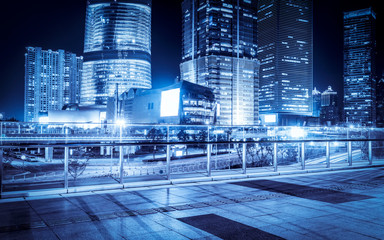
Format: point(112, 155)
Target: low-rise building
point(180, 103)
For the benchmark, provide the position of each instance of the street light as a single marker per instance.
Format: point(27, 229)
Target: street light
point(121, 123)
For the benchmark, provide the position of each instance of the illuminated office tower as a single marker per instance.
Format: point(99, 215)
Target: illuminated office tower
point(117, 49)
point(285, 50)
point(52, 79)
point(359, 67)
point(316, 95)
point(219, 51)
point(329, 107)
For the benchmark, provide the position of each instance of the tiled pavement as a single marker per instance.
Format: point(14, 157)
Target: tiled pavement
point(331, 205)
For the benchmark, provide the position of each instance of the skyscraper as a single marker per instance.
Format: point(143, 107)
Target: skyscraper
point(380, 102)
point(285, 50)
point(52, 79)
point(359, 67)
point(329, 108)
point(219, 51)
point(117, 48)
point(316, 95)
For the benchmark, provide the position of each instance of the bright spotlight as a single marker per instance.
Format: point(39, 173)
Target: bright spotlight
point(120, 122)
point(297, 133)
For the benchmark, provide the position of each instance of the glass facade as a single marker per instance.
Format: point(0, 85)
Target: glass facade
point(316, 95)
point(329, 107)
point(359, 67)
point(117, 48)
point(285, 41)
point(52, 79)
point(219, 51)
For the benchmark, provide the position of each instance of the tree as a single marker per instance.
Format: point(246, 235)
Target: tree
point(257, 155)
point(184, 137)
point(202, 136)
point(155, 135)
point(78, 163)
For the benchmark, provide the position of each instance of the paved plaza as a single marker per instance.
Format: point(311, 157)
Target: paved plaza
point(329, 205)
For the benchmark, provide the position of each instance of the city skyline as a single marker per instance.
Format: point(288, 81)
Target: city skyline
point(66, 31)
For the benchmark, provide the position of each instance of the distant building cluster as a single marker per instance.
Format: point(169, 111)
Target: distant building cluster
point(244, 62)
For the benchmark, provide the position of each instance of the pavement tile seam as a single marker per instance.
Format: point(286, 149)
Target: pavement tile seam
point(123, 214)
point(98, 217)
point(40, 224)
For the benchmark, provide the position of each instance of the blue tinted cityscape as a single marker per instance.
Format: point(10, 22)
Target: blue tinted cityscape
point(192, 119)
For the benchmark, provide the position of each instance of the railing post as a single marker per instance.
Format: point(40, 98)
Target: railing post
point(275, 157)
point(209, 149)
point(121, 163)
point(370, 152)
point(244, 158)
point(303, 155)
point(350, 153)
point(1, 173)
point(168, 156)
point(328, 153)
point(66, 156)
point(168, 162)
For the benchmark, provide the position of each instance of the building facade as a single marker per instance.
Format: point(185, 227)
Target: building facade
point(52, 79)
point(180, 103)
point(316, 95)
point(330, 114)
point(117, 48)
point(219, 51)
point(360, 67)
point(380, 102)
point(285, 50)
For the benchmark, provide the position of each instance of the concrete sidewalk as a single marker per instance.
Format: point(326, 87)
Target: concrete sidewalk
point(329, 205)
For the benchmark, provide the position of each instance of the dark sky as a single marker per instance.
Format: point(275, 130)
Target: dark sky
point(59, 24)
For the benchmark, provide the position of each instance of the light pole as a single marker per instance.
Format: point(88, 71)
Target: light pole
point(121, 123)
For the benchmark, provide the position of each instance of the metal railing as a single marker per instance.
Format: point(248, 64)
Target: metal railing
point(207, 158)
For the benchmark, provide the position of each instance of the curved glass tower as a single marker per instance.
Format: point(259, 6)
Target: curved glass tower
point(117, 48)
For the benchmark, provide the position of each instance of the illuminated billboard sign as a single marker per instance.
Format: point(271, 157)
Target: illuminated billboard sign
point(271, 118)
point(170, 102)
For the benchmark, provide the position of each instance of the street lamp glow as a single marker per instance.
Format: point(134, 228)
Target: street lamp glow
point(120, 122)
point(297, 133)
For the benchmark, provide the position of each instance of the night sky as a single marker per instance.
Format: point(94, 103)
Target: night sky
point(59, 24)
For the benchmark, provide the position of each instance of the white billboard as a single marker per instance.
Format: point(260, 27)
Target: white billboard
point(170, 103)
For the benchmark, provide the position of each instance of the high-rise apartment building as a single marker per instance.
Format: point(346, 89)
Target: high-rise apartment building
point(219, 51)
point(360, 67)
point(117, 49)
point(285, 50)
point(52, 79)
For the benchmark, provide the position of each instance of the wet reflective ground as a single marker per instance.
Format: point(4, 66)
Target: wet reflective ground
point(331, 205)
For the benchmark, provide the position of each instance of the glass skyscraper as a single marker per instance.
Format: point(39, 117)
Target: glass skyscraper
point(52, 79)
point(117, 48)
point(285, 50)
point(359, 67)
point(219, 51)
